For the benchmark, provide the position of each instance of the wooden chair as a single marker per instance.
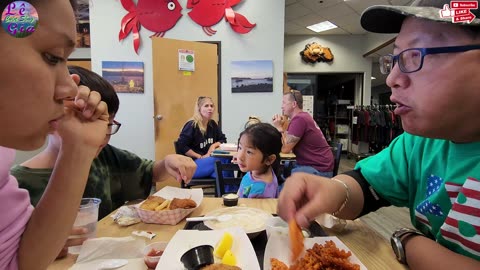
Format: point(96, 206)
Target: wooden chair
point(223, 180)
point(338, 156)
point(204, 183)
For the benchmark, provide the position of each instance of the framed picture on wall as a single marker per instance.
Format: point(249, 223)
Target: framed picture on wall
point(126, 77)
point(252, 76)
point(83, 24)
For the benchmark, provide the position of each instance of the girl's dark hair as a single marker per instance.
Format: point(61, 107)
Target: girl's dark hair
point(96, 83)
point(267, 139)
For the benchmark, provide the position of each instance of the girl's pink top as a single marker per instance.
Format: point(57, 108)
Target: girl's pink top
point(15, 210)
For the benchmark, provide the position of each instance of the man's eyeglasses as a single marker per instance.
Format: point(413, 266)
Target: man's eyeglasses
point(113, 127)
point(293, 95)
point(411, 60)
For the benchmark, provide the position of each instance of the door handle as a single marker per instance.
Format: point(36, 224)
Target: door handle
point(158, 117)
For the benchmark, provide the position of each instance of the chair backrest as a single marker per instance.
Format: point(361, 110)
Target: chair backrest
point(175, 145)
point(338, 155)
point(233, 176)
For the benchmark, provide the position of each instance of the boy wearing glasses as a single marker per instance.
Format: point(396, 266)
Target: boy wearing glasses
point(303, 137)
point(116, 175)
point(434, 167)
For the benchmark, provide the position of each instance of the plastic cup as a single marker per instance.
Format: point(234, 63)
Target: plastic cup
point(87, 217)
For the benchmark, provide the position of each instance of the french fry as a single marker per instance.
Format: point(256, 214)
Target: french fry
point(163, 205)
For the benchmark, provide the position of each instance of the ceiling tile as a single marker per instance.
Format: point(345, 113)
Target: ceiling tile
point(353, 18)
point(360, 6)
point(291, 26)
point(309, 19)
point(289, 2)
point(319, 5)
point(295, 11)
point(354, 29)
point(335, 11)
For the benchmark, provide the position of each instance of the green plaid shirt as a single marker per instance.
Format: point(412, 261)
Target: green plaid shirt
point(115, 176)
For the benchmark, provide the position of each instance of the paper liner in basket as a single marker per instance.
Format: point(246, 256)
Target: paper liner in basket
point(171, 217)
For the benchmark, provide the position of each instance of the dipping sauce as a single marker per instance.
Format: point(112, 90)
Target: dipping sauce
point(155, 252)
point(231, 196)
point(152, 258)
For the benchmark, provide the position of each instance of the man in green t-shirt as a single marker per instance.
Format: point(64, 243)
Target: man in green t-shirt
point(116, 175)
point(434, 167)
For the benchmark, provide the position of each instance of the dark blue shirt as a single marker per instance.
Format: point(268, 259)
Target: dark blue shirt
point(191, 138)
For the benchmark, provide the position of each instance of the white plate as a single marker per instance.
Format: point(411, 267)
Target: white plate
point(184, 240)
point(252, 220)
point(277, 243)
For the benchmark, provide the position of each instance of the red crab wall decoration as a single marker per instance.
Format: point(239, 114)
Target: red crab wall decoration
point(207, 13)
point(158, 16)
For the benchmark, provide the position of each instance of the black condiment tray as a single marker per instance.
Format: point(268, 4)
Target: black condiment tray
point(260, 241)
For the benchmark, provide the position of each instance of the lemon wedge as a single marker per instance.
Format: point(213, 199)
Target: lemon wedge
point(223, 245)
point(229, 258)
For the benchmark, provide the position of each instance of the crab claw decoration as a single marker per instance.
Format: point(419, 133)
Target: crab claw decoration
point(158, 16)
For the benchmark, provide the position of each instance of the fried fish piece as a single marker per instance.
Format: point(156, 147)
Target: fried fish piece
point(182, 203)
point(277, 264)
point(296, 239)
point(219, 266)
point(151, 203)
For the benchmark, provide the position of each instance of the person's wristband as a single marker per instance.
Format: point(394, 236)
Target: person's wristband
point(347, 197)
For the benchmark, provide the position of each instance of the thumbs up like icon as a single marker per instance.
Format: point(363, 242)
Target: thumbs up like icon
point(446, 12)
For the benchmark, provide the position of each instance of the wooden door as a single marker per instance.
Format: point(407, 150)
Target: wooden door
point(175, 91)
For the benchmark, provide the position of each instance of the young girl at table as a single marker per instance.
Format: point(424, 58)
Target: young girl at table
point(258, 154)
point(38, 97)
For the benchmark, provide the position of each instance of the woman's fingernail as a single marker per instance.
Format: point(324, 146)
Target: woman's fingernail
point(87, 113)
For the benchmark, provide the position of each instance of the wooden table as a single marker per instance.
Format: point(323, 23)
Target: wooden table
point(372, 249)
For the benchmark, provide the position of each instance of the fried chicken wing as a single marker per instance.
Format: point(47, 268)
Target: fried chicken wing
point(277, 264)
point(182, 203)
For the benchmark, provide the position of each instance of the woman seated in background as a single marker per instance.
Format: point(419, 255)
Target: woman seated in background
point(200, 136)
point(258, 154)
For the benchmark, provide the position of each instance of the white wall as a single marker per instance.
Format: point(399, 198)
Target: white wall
point(264, 42)
point(347, 51)
point(374, 40)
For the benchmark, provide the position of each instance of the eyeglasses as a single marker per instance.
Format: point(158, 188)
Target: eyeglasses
point(411, 60)
point(293, 95)
point(113, 127)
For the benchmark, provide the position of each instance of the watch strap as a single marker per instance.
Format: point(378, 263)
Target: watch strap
point(397, 241)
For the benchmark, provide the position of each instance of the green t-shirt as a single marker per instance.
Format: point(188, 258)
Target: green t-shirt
point(115, 176)
point(438, 181)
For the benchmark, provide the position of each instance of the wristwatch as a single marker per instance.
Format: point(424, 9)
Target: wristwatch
point(397, 240)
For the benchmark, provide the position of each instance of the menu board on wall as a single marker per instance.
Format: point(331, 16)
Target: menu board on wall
point(308, 104)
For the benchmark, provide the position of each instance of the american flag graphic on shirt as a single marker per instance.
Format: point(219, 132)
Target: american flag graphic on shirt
point(462, 225)
point(427, 207)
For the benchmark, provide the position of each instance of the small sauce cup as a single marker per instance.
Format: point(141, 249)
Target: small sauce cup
point(230, 199)
point(152, 254)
